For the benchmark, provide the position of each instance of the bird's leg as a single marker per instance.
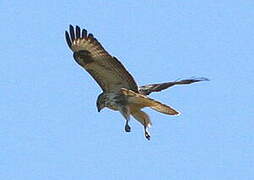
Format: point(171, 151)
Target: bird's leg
point(147, 135)
point(125, 111)
point(127, 127)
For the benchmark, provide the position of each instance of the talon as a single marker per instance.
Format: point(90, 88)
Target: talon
point(147, 135)
point(127, 128)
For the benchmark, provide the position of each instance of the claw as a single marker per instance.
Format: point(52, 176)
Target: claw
point(147, 135)
point(127, 128)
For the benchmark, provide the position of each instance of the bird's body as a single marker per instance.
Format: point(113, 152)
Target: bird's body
point(120, 91)
point(129, 103)
point(114, 100)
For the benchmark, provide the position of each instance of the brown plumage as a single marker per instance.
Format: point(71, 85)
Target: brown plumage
point(148, 89)
point(120, 91)
point(142, 101)
point(109, 73)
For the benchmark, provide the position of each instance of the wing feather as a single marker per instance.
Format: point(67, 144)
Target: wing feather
point(84, 33)
point(68, 40)
point(107, 71)
point(77, 32)
point(147, 89)
point(72, 33)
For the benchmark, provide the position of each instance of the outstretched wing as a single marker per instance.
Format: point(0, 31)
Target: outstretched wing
point(147, 89)
point(107, 71)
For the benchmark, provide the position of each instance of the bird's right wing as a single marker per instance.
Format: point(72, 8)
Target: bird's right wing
point(106, 70)
point(147, 89)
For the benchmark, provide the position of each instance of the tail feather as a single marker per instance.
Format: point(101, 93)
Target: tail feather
point(145, 101)
point(164, 108)
point(142, 117)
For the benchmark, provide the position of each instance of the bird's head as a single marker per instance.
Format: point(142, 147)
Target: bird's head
point(101, 101)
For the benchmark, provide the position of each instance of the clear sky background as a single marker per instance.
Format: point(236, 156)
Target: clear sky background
point(50, 128)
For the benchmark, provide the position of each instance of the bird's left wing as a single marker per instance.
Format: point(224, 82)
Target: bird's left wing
point(147, 89)
point(106, 70)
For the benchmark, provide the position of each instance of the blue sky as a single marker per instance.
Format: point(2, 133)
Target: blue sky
point(50, 128)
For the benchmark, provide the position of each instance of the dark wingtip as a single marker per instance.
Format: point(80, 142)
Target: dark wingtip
point(90, 36)
point(72, 32)
point(202, 79)
point(68, 40)
point(71, 26)
point(192, 80)
point(77, 32)
point(84, 33)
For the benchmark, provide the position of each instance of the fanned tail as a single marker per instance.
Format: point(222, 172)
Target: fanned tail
point(145, 101)
point(162, 108)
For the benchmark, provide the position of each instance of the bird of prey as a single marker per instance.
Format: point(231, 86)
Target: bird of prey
point(120, 90)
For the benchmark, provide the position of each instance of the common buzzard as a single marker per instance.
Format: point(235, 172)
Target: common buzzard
point(120, 91)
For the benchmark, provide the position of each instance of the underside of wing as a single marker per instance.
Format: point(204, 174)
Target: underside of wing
point(144, 101)
point(108, 72)
point(147, 89)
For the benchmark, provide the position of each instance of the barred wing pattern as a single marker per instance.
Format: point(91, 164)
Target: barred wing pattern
point(106, 70)
point(148, 89)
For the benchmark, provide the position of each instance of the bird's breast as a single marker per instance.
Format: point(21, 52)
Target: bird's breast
point(115, 101)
